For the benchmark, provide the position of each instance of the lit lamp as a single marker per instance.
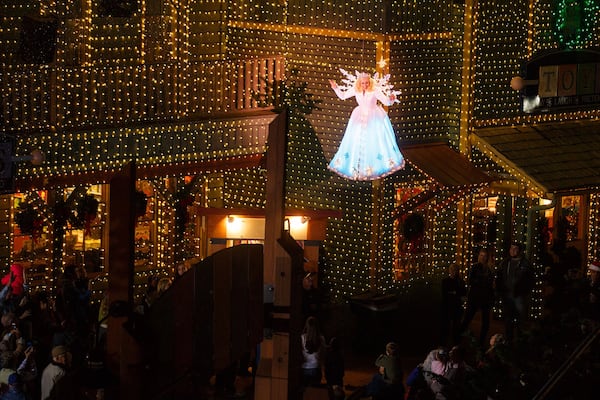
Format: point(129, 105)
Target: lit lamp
point(233, 227)
point(298, 227)
point(518, 83)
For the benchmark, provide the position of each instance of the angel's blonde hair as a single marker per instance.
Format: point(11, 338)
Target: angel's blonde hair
point(361, 76)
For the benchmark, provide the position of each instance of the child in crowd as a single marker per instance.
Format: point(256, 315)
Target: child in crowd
point(313, 347)
point(387, 382)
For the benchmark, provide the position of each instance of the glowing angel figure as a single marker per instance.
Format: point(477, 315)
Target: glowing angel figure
point(368, 150)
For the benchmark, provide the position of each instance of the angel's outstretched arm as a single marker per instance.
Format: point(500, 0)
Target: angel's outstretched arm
point(342, 94)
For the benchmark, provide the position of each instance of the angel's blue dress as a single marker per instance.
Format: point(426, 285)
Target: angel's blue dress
point(368, 150)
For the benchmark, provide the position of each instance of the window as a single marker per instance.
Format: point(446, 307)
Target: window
point(84, 235)
point(30, 236)
point(409, 237)
point(145, 228)
point(571, 217)
point(484, 225)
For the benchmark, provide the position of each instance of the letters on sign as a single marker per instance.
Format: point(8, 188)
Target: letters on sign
point(569, 80)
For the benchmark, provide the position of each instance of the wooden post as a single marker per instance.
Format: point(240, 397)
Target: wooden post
point(274, 207)
point(123, 352)
point(274, 379)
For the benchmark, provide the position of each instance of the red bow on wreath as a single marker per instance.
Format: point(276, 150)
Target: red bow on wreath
point(36, 232)
point(186, 201)
point(87, 211)
point(89, 218)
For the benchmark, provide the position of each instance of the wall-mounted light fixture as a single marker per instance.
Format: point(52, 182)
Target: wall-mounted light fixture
point(36, 157)
point(518, 83)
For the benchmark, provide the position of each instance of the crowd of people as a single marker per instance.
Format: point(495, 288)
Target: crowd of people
point(46, 338)
point(516, 362)
point(471, 363)
point(511, 284)
point(53, 342)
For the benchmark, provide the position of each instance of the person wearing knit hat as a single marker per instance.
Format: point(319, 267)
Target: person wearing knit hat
point(59, 351)
point(58, 367)
point(594, 266)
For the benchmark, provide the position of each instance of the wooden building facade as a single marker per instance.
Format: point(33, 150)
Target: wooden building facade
point(187, 90)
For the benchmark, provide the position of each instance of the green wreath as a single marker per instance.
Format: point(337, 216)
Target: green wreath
point(575, 22)
point(413, 227)
point(86, 210)
point(28, 219)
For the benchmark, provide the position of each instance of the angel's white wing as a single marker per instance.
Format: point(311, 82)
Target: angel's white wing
point(348, 81)
point(383, 83)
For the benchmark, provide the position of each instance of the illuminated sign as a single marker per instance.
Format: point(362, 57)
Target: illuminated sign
point(569, 79)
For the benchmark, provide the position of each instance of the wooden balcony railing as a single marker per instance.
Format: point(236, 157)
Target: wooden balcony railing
point(37, 97)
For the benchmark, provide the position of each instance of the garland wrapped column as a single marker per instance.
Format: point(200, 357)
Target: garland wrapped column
point(184, 198)
point(62, 211)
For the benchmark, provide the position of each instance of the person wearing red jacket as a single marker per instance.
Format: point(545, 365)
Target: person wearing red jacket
point(16, 284)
